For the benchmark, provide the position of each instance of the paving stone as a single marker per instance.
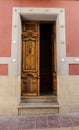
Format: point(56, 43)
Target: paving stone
point(65, 121)
point(43, 122)
point(75, 119)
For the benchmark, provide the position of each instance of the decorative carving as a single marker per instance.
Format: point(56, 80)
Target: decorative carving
point(29, 82)
point(29, 36)
point(29, 55)
point(30, 26)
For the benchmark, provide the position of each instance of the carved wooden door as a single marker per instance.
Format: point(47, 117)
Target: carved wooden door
point(54, 62)
point(30, 58)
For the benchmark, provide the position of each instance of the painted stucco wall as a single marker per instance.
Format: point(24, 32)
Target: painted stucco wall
point(72, 20)
point(68, 86)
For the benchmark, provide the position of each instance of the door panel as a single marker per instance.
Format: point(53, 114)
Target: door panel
point(30, 56)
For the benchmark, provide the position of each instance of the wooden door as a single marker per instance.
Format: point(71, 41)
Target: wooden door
point(54, 62)
point(30, 58)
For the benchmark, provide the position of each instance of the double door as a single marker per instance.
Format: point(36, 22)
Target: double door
point(33, 78)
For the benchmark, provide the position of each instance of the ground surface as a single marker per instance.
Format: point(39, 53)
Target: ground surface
point(43, 122)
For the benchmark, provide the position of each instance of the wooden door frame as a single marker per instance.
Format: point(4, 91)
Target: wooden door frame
point(47, 14)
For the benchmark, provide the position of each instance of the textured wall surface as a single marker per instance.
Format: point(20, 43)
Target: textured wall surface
point(8, 95)
point(68, 93)
point(68, 86)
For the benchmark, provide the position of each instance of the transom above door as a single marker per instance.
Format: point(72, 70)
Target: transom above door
point(38, 61)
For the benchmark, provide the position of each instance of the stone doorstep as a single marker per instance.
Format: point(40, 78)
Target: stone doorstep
point(39, 105)
point(38, 108)
point(38, 99)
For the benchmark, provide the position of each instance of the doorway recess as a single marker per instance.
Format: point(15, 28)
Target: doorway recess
point(38, 70)
point(38, 14)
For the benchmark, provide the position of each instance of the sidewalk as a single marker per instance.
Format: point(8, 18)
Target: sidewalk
point(43, 122)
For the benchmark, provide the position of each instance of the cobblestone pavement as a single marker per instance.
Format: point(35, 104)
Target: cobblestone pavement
point(43, 122)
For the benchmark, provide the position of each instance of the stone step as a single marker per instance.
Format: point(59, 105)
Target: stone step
point(38, 108)
point(38, 99)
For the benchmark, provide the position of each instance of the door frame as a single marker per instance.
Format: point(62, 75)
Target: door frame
point(41, 14)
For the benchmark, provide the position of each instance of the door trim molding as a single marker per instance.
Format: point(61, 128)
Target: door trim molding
point(41, 14)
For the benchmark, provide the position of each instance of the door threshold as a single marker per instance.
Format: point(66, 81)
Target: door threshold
point(38, 105)
point(38, 99)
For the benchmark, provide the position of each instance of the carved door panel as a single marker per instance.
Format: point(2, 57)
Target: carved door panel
point(54, 63)
point(30, 58)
